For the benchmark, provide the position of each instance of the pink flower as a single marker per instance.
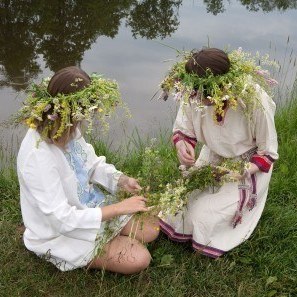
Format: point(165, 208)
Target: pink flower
point(265, 73)
point(262, 72)
point(272, 82)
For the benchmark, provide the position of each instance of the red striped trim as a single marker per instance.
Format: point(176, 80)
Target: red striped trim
point(270, 158)
point(254, 184)
point(207, 250)
point(253, 195)
point(202, 249)
point(263, 162)
point(178, 135)
point(169, 231)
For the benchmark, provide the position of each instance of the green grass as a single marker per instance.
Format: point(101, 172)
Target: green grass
point(265, 265)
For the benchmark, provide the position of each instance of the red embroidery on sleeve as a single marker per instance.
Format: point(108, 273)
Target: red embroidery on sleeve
point(178, 135)
point(263, 162)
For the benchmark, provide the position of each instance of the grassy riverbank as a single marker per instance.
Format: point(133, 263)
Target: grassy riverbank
point(265, 265)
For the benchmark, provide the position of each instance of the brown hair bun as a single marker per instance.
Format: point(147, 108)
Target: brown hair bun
point(213, 59)
point(68, 80)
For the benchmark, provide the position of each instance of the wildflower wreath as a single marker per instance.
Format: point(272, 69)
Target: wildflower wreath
point(99, 98)
point(237, 86)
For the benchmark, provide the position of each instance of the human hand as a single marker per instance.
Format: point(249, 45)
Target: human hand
point(131, 205)
point(185, 153)
point(129, 184)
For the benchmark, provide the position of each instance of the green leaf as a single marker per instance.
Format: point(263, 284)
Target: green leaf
point(270, 280)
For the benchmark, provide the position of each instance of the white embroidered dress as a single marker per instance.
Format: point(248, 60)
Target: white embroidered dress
point(59, 202)
point(207, 219)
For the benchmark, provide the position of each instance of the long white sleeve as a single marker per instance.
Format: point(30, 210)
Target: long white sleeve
point(100, 172)
point(184, 121)
point(264, 128)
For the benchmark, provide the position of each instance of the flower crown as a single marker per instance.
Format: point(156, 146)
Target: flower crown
point(98, 99)
point(237, 86)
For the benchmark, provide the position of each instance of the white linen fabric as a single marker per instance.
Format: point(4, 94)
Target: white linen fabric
point(58, 226)
point(207, 219)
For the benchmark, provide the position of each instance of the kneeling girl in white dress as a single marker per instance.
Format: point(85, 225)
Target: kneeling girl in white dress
point(224, 108)
point(66, 216)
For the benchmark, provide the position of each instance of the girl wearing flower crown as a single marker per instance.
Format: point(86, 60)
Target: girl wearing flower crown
point(65, 214)
point(224, 105)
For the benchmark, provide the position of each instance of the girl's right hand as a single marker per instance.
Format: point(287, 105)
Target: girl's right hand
point(185, 153)
point(131, 205)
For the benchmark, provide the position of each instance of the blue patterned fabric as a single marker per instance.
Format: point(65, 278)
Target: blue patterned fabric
point(88, 194)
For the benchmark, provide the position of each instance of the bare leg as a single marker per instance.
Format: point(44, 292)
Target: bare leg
point(144, 230)
point(123, 255)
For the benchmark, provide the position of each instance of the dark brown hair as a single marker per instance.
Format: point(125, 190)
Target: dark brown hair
point(68, 80)
point(213, 59)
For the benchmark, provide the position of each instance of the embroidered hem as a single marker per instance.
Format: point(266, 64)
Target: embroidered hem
point(179, 237)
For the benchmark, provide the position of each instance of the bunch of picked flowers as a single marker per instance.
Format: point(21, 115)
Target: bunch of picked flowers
point(171, 197)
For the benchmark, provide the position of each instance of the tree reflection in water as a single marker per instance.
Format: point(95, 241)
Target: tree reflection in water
point(152, 19)
point(62, 31)
point(18, 44)
point(214, 6)
point(266, 6)
point(217, 6)
point(67, 29)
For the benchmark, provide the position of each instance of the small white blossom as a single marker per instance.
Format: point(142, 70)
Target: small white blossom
point(56, 101)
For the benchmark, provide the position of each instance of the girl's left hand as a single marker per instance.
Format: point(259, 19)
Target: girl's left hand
point(129, 184)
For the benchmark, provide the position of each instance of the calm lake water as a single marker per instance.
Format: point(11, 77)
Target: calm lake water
point(121, 39)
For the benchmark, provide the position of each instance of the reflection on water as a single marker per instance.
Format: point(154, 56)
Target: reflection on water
point(117, 38)
point(62, 31)
point(218, 6)
point(18, 44)
point(152, 19)
point(266, 6)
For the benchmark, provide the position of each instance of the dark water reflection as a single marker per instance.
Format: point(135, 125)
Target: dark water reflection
point(62, 31)
point(218, 6)
point(117, 38)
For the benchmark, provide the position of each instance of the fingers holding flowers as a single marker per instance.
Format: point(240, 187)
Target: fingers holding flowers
point(133, 185)
point(129, 184)
point(235, 174)
point(132, 205)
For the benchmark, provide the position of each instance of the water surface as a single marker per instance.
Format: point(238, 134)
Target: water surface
point(121, 39)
